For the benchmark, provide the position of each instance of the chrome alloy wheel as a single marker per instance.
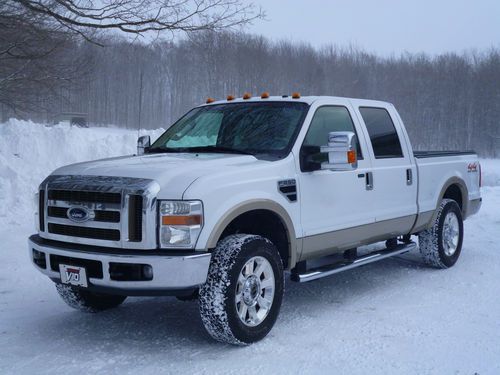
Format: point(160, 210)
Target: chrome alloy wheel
point(255, 291)
point(451, 234)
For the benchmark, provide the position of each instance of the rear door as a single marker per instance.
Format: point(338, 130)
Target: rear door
point(394, 173)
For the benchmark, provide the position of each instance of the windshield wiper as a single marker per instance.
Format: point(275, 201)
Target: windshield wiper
point(214, 149)
point(153, 150)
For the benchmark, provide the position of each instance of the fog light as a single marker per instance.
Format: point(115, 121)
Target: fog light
point(39, 259)
point(147, 272)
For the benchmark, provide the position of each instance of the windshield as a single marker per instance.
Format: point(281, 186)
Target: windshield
point(243, 128)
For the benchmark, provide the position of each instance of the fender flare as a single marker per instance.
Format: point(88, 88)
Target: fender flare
point(258, 204)
point(463, 189)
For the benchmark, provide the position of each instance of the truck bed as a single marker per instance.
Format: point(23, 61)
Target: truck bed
point(436, 169)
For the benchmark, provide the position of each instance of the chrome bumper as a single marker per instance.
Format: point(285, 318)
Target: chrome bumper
point(170, 272)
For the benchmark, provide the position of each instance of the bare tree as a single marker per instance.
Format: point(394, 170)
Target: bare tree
point(34, 63)
point(34, 32)
point(142, 16)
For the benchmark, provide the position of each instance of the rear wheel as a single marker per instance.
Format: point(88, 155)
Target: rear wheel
point(86, 301)
point(241, 299)
point(441, 244)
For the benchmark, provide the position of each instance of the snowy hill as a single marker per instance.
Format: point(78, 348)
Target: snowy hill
point(393, 317)
point(29, 152)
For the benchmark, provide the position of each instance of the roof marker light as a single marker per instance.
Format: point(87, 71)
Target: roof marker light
point(265, 95)
point(210, 100)
point(230, 97)
point(247, 95)
point(296, 95)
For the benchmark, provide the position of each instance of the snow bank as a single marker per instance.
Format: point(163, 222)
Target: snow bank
point(491, 172)
point(30, 151)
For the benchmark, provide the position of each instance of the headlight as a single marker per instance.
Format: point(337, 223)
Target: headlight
point(180, 223)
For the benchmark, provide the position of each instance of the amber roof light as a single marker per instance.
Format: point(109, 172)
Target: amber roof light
point(230, 97)
point(210, 100)
point(265, 95)
point(296, 95)
point(247, 95)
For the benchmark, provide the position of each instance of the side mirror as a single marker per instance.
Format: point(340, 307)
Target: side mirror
point(143, 144)
point(341, 150)
point(307, 162)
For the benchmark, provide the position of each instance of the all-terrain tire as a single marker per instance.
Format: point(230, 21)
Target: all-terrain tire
point(434, 248)
point(86, 301)
point(221, 297)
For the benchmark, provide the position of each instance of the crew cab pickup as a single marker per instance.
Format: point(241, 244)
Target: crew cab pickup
point(240, 192)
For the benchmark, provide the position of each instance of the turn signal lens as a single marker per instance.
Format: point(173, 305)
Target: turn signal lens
point(181, 220)
point(351, 157)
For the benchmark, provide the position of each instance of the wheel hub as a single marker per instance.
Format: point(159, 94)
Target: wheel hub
point(251, 290)
point(451, 234)
point(255, 291)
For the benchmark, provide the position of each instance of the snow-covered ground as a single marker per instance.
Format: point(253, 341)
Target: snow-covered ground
point(392, 317)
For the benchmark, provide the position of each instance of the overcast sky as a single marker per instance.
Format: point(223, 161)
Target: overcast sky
point(385, 26)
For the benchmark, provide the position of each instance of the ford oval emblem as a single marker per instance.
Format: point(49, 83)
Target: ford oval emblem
point(80, 214)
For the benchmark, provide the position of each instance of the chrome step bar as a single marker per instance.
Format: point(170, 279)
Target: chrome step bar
point(331, 269)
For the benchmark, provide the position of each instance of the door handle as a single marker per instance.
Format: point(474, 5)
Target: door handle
point(409, 177)
point(369, 181)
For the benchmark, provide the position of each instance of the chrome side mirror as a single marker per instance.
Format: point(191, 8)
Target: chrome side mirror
point(143, 144)
point(341, 150)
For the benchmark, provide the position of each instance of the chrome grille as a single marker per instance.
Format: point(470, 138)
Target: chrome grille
point(121, 211)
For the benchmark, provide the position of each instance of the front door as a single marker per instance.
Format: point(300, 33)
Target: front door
point(334, 202)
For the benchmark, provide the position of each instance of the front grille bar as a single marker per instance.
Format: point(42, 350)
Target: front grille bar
point(85, 196)
point(41, 209)
point(135, 218)
point(100, 215)
point(85, 232)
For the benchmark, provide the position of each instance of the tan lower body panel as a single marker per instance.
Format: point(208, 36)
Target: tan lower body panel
point(340, 240)
point(423, 221)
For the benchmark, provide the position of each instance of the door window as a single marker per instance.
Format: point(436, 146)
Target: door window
point(383, 135)
point(329, 119)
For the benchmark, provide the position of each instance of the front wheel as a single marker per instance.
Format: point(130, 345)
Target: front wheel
point(241, 299)
point(87, 301)
point(441, 244)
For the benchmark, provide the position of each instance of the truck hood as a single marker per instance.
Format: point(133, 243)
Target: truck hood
point(174, 172)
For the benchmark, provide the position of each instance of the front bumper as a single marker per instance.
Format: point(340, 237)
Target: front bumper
point(174, 274)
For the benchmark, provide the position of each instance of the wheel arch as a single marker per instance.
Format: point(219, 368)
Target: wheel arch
point(266, 212)
point(454, 188)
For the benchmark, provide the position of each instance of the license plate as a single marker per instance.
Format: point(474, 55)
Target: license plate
point(73, 275)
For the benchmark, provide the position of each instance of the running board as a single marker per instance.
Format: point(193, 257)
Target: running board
point(324, 271)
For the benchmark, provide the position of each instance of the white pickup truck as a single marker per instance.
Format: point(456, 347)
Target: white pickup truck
point(240, 192)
